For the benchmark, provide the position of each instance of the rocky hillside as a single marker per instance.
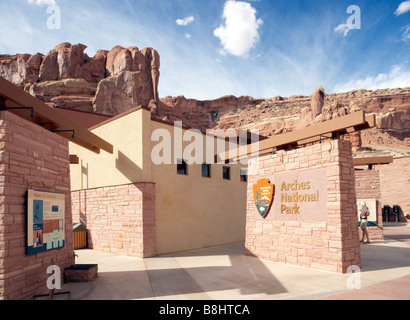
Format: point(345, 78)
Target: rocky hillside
point(109, 83)
point(280, 115)
point(114, 81)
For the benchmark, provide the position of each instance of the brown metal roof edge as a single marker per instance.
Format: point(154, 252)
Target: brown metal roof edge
point(83, 111)
point(118, 116)
point(47, 117)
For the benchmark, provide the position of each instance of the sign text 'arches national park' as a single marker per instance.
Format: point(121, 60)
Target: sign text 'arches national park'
point(298, 196)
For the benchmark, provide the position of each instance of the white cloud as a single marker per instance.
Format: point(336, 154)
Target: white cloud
point(256, 57)
point(406, 33)
point(42, 2)
point(403, 8)
point(343, 28)
point(398, 77)
point(187, 36)
point(185, 21)
point(240, 32)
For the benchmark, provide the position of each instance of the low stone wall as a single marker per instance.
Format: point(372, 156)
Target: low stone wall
point(30, 158)
point(322, 234)
point(119, 219)
point(81, 273)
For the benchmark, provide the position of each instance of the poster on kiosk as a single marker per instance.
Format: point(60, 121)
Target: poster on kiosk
point(45, 221)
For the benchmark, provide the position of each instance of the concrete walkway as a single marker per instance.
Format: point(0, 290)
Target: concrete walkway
point(396, 249)
point(225, 273)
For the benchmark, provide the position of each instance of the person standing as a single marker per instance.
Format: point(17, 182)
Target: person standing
point(364, 214)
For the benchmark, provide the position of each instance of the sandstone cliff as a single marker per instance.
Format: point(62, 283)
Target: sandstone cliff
point(114, 81)
point(109, 83)
point(278, 115)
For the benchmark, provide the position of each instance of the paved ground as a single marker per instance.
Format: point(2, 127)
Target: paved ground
point(397, 249)
point(225, 273)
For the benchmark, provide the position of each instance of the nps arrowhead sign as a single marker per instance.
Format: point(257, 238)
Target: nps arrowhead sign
point(263, 192)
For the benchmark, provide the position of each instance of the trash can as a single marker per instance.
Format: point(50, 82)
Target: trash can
point(386, 213)
point(396, 211)
point(80, 236)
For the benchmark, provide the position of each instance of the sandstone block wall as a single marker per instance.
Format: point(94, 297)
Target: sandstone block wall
point(368, 187)
point(395, 186)
point(119, 219)
point(329, 242)
point(30, 158)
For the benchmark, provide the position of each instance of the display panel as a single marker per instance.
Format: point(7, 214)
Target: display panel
point(45, 221)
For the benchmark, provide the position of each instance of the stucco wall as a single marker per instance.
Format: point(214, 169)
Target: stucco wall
point(196, 212)
point(130, 136)
point(191, 212)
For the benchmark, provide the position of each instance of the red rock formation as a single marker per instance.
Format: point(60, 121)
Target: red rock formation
point(207, 114)
point(19, 68)
point(109, 83)
point(69, 61)
point(114, 81)
point(318, 101)
point(280, 115)
point(133, 78)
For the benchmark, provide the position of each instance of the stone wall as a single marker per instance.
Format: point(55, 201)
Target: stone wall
point(30, 158)
point(119, 219)
point(395, 186)
point(368, 187)
point(326, 238)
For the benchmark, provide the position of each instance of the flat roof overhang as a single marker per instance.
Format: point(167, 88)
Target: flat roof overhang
point(21, 103)
point(330, 129)
point(372, 161)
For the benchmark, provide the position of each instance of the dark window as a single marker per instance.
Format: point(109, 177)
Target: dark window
point(226, 173)
point(206, 170)
point(182, 167)
point(244, 175)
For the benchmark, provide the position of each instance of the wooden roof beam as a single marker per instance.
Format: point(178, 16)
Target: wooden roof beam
point(358, 121)
point(369, 123)
point(372, 161)
point(42, 114)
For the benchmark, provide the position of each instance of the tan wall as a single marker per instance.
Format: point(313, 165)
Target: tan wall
point(129, 135)
point(30, 158)
point(195, 212)
point(191, 212)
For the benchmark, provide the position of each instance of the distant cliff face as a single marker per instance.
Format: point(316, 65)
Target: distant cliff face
point(115, 81)
point(109, 83)
point(279, 115)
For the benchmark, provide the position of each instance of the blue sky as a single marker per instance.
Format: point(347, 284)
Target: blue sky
point(214, 48)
